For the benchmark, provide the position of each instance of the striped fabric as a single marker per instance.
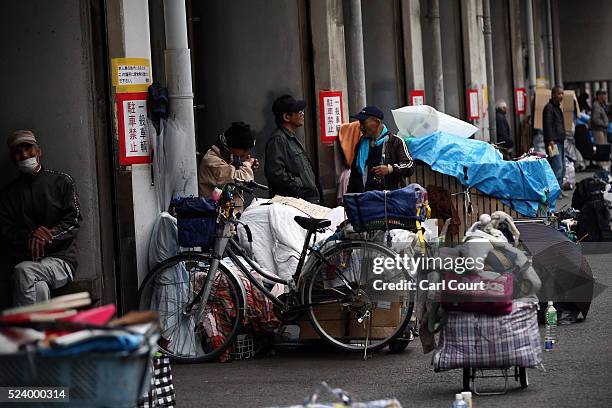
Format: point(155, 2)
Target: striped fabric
point(486, 341)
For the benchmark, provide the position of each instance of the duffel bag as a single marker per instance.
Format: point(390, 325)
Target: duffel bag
point(196, 221)
point(396, 206)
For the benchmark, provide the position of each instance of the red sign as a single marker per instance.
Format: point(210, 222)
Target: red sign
point(521, 100)
point(134, 141)
point(330, 112)
point(417, 97)
point(473, 104)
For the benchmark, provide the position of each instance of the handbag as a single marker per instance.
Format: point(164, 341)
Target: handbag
point(196, 221)
point(482, 292)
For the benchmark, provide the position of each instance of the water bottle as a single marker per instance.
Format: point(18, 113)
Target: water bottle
point(551, 327)
point(467, 397)
point(459, 402)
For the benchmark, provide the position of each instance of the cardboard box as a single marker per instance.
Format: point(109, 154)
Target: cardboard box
point(568, 106)
point(335, 321)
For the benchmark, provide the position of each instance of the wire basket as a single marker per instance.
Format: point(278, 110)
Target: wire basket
point(93, 379)
point(243, 348)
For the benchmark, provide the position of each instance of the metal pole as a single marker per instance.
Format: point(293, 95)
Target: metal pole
point(486, 8)
point(356, 65)
point(549, 43)
point(434, 18)
point(178, 79)
point(556, 33)
point(531, 49)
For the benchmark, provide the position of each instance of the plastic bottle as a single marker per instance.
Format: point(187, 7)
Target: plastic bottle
point(551, 327)
point(467, 397)
point(459, 402)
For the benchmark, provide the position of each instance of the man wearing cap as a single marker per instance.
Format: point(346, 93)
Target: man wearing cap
point(228, 159)
point(288, 169)
point(382, 160)
point(39, 219)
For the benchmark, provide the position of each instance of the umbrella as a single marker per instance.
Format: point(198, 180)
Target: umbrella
point(564, 271)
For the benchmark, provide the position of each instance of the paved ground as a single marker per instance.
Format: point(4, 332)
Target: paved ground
point(578, 373)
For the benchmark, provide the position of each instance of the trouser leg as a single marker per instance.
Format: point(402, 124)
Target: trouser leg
point(33, 281)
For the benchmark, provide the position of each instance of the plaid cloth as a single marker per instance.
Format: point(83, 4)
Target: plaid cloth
point(486, 341)
point(161, 393)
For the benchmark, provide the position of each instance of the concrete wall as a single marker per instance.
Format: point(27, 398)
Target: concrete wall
point(382, 45)
point(452, 56)
point(502, 58)
point(586, 33)
point(246, 54)
point(45, 78)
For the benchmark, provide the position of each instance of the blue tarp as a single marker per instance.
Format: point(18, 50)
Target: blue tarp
point(522, 185)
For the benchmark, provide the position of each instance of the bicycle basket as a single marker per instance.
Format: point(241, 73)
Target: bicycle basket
point(381, 210)
point(196, 221)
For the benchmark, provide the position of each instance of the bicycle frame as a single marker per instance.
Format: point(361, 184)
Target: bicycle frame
point(234, 251)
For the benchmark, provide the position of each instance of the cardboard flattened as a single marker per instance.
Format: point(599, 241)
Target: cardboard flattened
point(568, 106)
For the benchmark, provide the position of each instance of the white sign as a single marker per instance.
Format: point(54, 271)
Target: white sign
point(333, 115)
point(136, 129)
point(133, 75)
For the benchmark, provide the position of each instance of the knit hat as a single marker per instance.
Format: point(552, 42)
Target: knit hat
point(239, 136)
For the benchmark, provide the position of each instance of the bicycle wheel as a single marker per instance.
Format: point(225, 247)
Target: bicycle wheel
point(206, 331)
point(348, 305)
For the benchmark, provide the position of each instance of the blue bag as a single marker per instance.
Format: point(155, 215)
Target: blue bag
point(196, 221)
point(383, 209)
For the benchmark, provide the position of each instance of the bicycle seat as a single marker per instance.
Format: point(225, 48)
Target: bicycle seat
point(312, 224)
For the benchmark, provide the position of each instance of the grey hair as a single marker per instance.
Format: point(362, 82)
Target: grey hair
point(500, 104)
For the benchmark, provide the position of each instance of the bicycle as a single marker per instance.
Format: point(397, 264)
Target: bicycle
point(202, 302)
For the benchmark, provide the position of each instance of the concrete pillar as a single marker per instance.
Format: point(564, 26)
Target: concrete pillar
point(516, 44)
point(539, 32)
point(135, 27)
point(178, 80)
point(329, 62)
point(355, 58)
point(531, 49)
point(438, 72)
point(474, 60)
point(486, 8)
point(549, 44)
point(556, 35)
point(413, 46)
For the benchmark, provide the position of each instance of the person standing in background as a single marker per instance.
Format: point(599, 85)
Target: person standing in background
point(554, 133)
point(504, 135)
point(599, 123)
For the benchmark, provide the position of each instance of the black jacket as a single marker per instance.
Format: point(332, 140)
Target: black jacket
point(396, 154)
point(288, 169)
point(46, 199)
point(503, 131)
point(553, 126)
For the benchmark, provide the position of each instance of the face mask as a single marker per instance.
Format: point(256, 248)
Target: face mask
point(28, 166)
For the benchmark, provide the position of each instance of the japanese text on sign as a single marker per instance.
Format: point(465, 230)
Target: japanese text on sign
point(131, 74)
point(136, 133)
point(333, 115)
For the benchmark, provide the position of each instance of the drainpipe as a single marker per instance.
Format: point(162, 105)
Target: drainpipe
point(486, 5)
point(531, 49)
point(434, 18)
point(178, 80)
point(356, 65)
point(549, 43)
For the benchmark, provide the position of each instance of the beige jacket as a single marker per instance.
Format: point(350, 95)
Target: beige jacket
point(216, 172)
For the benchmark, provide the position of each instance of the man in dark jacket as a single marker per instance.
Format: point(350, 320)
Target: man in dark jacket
point(382, 160)
point(39, 219)
point(504, 136)
point(288, 169)
point(554, 133)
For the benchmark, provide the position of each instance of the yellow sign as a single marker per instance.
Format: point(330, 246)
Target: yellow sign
point(131, 74)
point(542, 83)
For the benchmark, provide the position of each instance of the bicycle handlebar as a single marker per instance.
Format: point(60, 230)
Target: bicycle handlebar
point(249, 186)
